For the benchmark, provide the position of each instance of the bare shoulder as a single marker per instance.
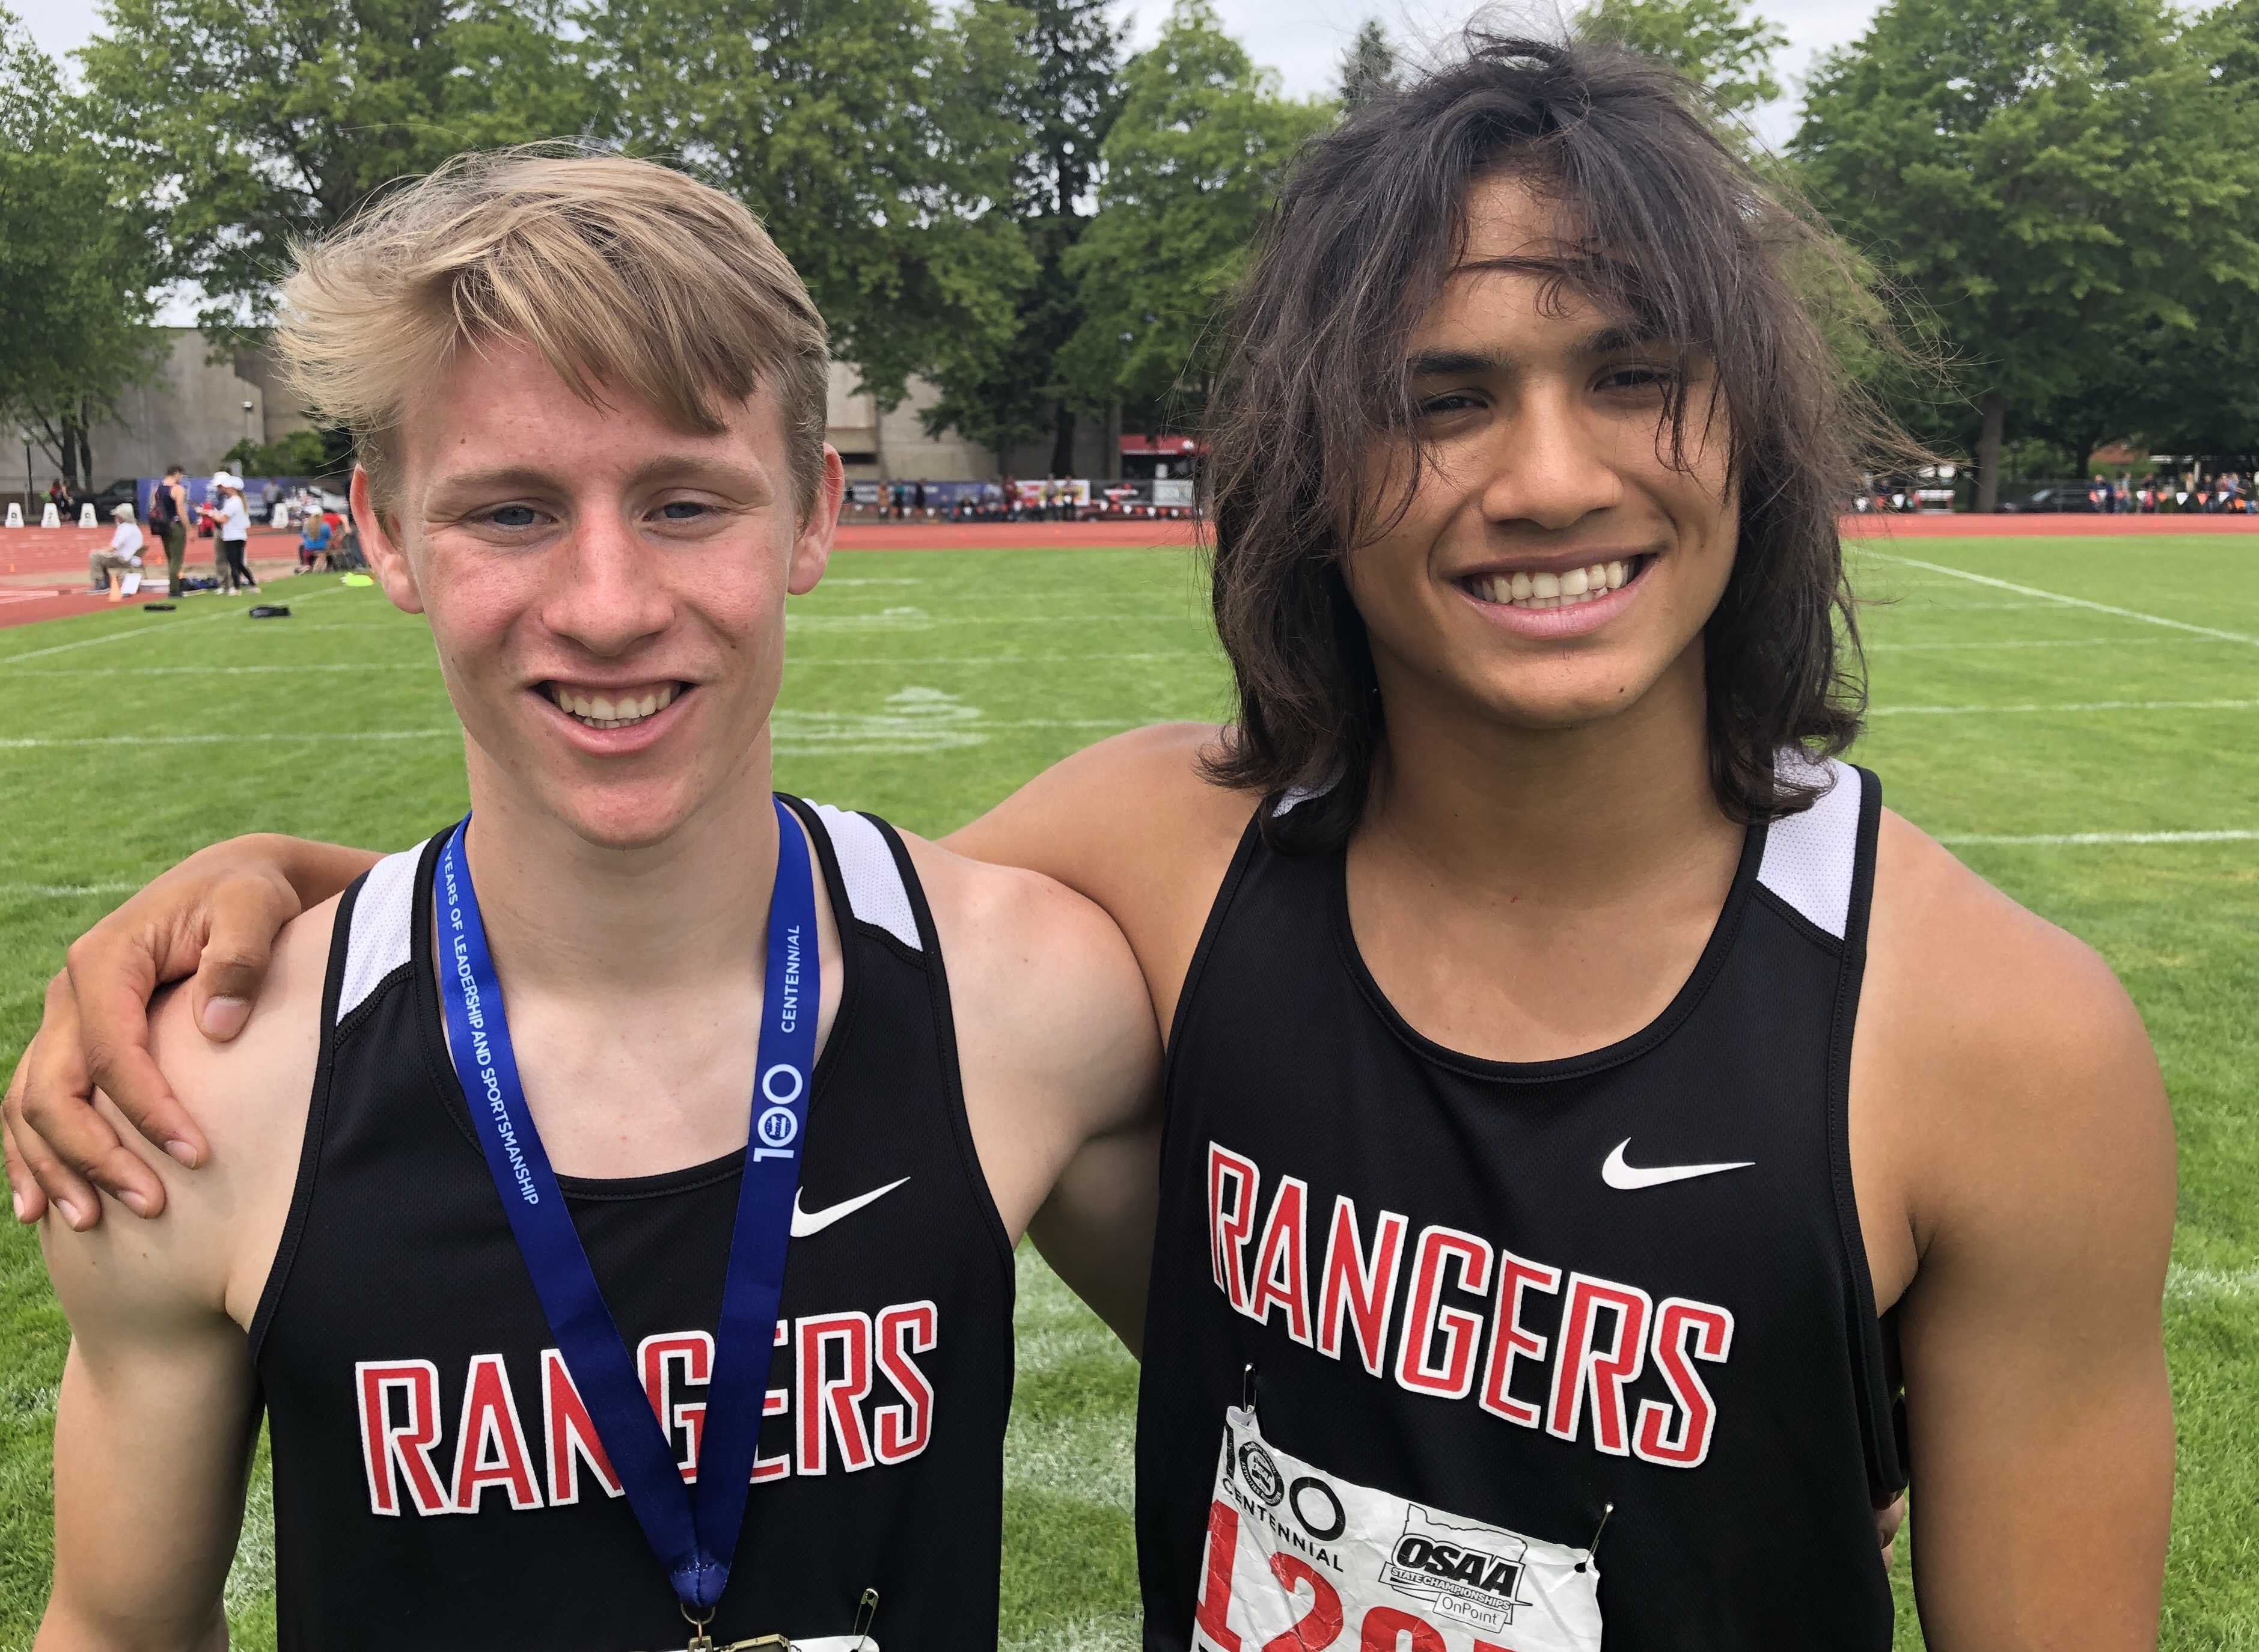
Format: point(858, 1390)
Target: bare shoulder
point(222, 1220)
point(2011, 1068)
point(1136, 824)
point(1135, 799)
point(1026, 948)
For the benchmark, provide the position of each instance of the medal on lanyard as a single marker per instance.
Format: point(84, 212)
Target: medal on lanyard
point(693, 1530)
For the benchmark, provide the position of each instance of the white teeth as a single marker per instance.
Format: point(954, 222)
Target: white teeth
point(602, 712)
point(1571, 589)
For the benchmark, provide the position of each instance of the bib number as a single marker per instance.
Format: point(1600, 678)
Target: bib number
point(1298, 1560)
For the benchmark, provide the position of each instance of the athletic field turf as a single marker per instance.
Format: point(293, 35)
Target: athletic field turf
point(2076, 717)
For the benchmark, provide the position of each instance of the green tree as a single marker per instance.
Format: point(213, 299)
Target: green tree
point(1723, 44)
point(1193, 164)
point(1017, 393)
point(266, 122)
point(2046, 176)
point(874, 139)
point(76, 264)
point(1369, 65)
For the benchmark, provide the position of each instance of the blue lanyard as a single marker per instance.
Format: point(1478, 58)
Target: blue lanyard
point(693, 1532)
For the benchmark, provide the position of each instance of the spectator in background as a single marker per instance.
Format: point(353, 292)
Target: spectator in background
point(917, 501)
point(234, 533)
point(168, 522)
point(59, 496)
point(314, 540)
point(109, 568)
point(2098, 493)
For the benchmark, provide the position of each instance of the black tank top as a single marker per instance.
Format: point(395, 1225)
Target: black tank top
point(435, 1482)
point(1455, 1285)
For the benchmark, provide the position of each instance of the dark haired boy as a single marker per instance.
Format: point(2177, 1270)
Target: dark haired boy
point(1588, 1110)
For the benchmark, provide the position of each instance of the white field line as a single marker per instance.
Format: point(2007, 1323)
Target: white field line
point(2047, 642)
point(2068, 602)
point(427, 664)
point(67, 741)
point(2211, 1284)
point(2085, 840)
point(10, 660)
point(2075, 705)
point(63, 891)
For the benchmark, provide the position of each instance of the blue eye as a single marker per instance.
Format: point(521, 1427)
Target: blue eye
point(513, 516)
point(682, 510)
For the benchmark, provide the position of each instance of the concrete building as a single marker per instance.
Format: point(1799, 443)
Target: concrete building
point(197, 407)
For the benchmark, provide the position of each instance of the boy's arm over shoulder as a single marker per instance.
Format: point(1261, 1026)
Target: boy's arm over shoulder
point(158, 1409)
point(2013, 1105)
point(1135, 824)
point(1061, 1066)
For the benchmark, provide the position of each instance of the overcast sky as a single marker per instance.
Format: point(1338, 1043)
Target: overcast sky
point(1302, 38)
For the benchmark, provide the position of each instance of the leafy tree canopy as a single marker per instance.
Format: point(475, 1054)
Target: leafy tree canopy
point(1723, 44)
point(1193, 164)
point(76, 262)
point(2049, 177)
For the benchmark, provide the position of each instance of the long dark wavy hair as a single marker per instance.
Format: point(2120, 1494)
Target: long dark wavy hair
point(1667, 225)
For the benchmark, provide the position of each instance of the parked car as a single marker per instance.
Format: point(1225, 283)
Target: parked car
point(121, 492)
point(2062, 497)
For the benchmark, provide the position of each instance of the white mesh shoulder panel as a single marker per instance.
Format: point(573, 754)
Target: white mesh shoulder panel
point(383, 921)
point(1809, 858)
point(875, 889)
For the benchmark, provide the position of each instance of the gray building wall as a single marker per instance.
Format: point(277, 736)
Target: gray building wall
point(191, 414)
point(192, 411)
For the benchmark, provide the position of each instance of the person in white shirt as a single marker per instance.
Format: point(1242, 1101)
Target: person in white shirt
point(110, 570)
point(234, 533)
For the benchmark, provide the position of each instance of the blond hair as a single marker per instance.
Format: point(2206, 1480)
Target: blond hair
point(621, 273)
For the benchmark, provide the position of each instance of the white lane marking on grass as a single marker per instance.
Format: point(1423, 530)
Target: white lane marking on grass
point(2068, 602)
point(891, 619)
point(41, 743)
point(234, 671)
point(2049, 642)
point(63, 891)
point(917, 719)
point(2084, 840)
point(2213, 1284)
point(2070, 705)
point(995, 659)
point(154, 630)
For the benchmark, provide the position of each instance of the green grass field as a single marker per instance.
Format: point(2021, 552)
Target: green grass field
point(2085, 742)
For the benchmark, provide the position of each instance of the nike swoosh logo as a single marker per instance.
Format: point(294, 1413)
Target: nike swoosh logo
point(808, 1222)
point(1623, 1177)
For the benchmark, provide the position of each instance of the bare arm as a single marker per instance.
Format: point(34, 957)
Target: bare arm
point(153, 1430)
point(1061, 1064)
point(2041, 1191)
point(158, 1406)
point(214, 917)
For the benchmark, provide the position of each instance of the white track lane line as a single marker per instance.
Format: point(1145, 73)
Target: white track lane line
point(41, 743)
point(2211, 1284)
point(2086, 840)
point(2068, 602)
point(2077, 705)
point(7, 660)
point(2046, 641)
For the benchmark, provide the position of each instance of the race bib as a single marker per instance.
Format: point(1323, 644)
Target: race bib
point(1299, 1561)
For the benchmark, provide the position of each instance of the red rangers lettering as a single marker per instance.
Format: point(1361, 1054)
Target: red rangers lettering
point(1575, 1377)
point(859, 1384)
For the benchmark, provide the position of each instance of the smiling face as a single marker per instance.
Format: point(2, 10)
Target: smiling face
point(606, 592)
point(1555, 564)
